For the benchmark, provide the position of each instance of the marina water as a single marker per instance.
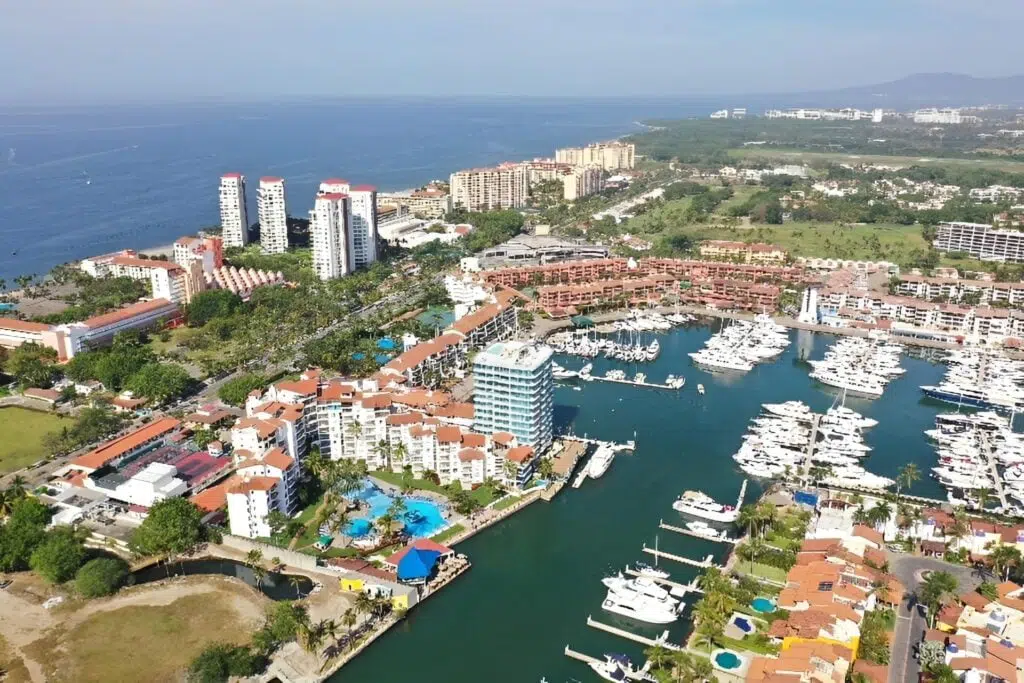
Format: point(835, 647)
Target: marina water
point(537, 576)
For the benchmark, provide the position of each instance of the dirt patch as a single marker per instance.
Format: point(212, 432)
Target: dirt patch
point(104, 640)
point(12, 664)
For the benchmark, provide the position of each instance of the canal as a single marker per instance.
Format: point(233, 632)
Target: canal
point(536, 577)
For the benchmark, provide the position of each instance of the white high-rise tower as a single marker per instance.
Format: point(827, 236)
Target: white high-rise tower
point(329, 229)
point(234, 219)
point(273, 215)
point(363, 237)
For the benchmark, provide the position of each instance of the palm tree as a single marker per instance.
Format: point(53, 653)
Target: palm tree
point(511, 471)
point(399, 452)
point(18, 486)
point(397, 508)
point(363, 603)
point(383, 451)
point(1004, 558)
point(546, 468)
point(944, 673)
point(6, 503)
point(349, 619)
point(312, 636)
point(296, 583)
point(879, 515)
point(259, 573)
point(753, 549)
point(276, 563)
point(768, 516)
point(748, 518)
point(909, 473)
point(658, 656)
point(984, 498)
point(690, 668)
point(384, 524)
point(960, 526)
point(712, 580)
point(935, 589)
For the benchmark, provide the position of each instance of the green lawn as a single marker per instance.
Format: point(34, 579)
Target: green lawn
point(396, 479)
point(794, 156)
point(763, 571)
point(23, 431)
point(454, 530)
point(485, 495)
point(505, 502)
point(749, 643)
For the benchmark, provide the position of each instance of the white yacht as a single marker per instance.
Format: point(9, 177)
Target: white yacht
point(703, 529)
point(600, 461)
point(644, 586)
point(699, 504)
point(617, 668)
point(636, 606)
point(646, 570)
point(558, 372)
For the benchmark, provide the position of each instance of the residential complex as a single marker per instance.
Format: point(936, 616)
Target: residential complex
point(540, 249)
point(209, 251)
point(486, 189)
point(981, 241)
point(610, 156)
point(429, 202)
point(743, 252)
point(273, 215)
point(234, 218)
point(581, 181)
point(513, 392)
point(166, 280)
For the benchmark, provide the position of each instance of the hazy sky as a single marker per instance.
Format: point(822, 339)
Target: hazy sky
point(94, 50)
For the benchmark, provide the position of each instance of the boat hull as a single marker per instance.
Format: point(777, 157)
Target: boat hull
point(726, 516)
point(961, 400)
point(648, 617)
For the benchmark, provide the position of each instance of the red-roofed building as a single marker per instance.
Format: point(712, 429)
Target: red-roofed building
point(422, 544)
point(124, 447)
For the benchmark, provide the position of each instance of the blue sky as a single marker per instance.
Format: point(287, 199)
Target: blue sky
point(132, 50)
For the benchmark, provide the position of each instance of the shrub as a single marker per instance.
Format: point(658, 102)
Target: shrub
point(59, 556)
point(101, 576)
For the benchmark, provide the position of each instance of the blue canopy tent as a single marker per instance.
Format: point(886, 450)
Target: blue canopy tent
point(417, 565)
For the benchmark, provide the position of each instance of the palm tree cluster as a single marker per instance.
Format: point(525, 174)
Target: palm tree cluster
point(760, 521)
point(712, 611)
point(679, 666)
point(936, 591)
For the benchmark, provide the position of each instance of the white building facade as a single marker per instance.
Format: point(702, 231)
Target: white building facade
point(486, 189)
point(273, 215)
point(329, 231)
point(362, 226)
point(513, 391)
point(234, 218)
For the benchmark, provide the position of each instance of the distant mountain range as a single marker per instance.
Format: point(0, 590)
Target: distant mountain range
point(922, 90)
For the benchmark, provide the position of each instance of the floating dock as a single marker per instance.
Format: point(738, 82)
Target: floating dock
point(661, 640)
point(627, 446)
point(702, 564)
point(722, 538)
point(682, 588)
point(649, 385)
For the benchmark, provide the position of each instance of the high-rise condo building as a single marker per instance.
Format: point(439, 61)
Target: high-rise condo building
point(485, 189)
point(611, 156)
point(329, 230)
point(234, 220)
point(273, 215)
point(513, 391)
point(581, 181)
point(363, 226)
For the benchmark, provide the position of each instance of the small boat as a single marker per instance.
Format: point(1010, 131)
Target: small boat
point(600, 461)
point(702, 529)
point(700, 389)
point(646, 570)
point(617, 668)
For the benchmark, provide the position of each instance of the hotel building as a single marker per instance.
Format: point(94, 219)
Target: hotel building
point(741, 251)
point(981, 241)
point(610, 156)
point(581, 181)
point(234, 219)
point(513, 392)
point(485, 189)
point(273, 215)
point(329, 232)
point(427, 203)
point(362, 226)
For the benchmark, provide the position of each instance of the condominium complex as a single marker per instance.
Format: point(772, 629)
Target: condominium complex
point(485, 189)
point(513, 392)
point(329, 232)
point(610, 156)
point(363, 226)
point(981, 241)
point(741, 251)
point(581, 181)
point(234, 219)
point(209, 251)
point(429, 202)
point(273, 215)
point(166, 280)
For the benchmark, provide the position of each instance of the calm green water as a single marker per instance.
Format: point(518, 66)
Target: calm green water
point(536, 577)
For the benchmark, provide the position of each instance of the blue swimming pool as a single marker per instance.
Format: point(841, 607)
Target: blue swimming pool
point(6, 307)
point(727, 660)
point(762, 605)
point(421, 518)
point(743, 624)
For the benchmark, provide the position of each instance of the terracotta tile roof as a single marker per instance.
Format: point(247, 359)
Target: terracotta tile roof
point(478, 318)
point(818, 545)
point(115, 448)
point(449, 435)
point(209, 418)
point(474, 440)
point(250, 484)
point(504, 438)
point(421, 398)
point(470, 454)
point(1007, 587)
point(23, 325)
point(304, 387)
point(126, 313)
point(276, 457)
point(335, 391)
point(44, 394)
point(875, 556)
point(868, 533)
point(949, 614)
point(873, 673)
point(975, 600)
point(361, 567)
point(520, 454)
point(801, 624)
point(215, 497)
point(404, 419)
point(376, 401)
point(264, 427)
point(145, 263)
point(456, 411)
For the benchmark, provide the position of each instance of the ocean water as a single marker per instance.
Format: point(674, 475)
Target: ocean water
point(79, 182)
point(536, 576)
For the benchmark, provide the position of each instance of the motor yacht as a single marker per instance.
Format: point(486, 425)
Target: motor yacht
point(617, 668)
point(703, 529)
point(600, 461)
point(636, 606)
point(699, 504)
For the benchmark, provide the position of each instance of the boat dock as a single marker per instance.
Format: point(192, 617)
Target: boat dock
point(701, 564)
point(743, 494)
point(722, 538)
point(627, 446)
point(988, 451)
point(587, 659)
point(661, 640)
point(649, 385)
point(811, 441)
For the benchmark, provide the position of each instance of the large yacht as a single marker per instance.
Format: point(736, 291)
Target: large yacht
point(600, 461)
point(699, 504)
point(637, 606)
point(618, 668)
point(644, 586)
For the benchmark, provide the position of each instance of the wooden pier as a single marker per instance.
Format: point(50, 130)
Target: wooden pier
point(686, 532)
point(661, 640)
point(700, 564)
point(649, 385)
point(641, 675)
point(627, 446)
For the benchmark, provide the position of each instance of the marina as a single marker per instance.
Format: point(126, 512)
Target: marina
point(684, 443)
point(980, 380)
point(742, 345)
point(858, 366)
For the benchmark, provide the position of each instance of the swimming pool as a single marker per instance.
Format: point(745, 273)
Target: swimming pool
point(421, 518)
point(6, 307)
point(762, 605)
point(727, 660)
point(743, 624)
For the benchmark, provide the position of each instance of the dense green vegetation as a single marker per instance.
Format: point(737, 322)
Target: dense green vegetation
point(97, 295)
point(172, 527)
point(489, 228)
point(235, 390)
point(90, 424)
point(101, 576)
point(32, 365)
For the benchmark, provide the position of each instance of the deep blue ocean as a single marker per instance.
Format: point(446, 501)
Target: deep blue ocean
point(78, 182)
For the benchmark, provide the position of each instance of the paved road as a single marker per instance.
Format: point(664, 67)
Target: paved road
point(910, 625)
